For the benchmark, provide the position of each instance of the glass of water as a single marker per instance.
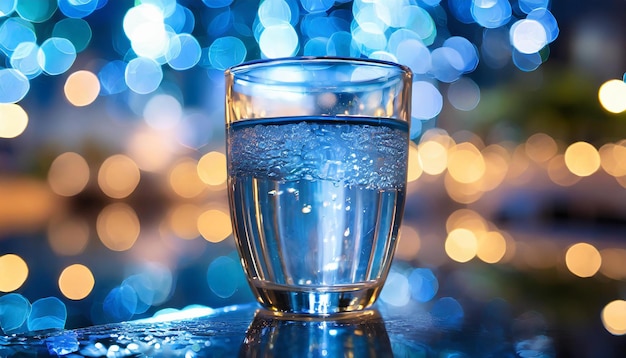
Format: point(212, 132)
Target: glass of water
point(317, 158)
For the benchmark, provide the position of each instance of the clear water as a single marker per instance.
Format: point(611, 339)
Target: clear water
point(317, 201)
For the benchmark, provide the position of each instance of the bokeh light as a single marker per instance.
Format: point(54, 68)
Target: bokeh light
point(613, 159)
point(426, 101)
point(7, 7)
point(56, 55)
point(162, 112)
point(433, 157)
point(447, 312)
point(184, 52)
point(143, 75)
point(423, 284)
point(76, 30)
point(582, 159)
point(13, 120)
point(76, 282)
point(68, 236)
point(409, 243)
point(47, 313)
point(228, 51)
point(583, 259)
point(118, 176)
point(497, 161)
point(614, 317)
point(465, 163)
point(112, 77)
point(150, 149)
point(14, 31)
point(613, 263)
point(396, 291)
point(528, 36)
point(491, 14)
point(224, 276)
point(464, 94)
point(183, 220)
point(13, 272)
point(540, 147)
point(212, 168)
point(214, 225)
point(461, 245)
point(24, 60)
point(279, 40)
point(14, 311)
point(466, 219)
point(68, 174)
point(491, 247)
point(36, 11)
point(118, 226)
point(82, 88)
point(612, 96)
point(559, 173)
point(184, 179)
point(15, 85)
point(78, 9)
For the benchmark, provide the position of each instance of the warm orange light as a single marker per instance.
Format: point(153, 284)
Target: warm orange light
point(212, 168)
point(214, 225)
point(414, 170)
point(540, 147)
point(25, 203)
point(491, 247)
point(152, 150)
point(184, 179)
point(613, 159)
point(76, 282)
point(13, 272)
point(583, 259)
point(612, 95)
point(82, 88)
point(465, 163)
point(496, 167)
point(184, 221)
point(408, 243)
point(582, 159)
point(118, 176)
point(461, 192)
point(68, 174)
point(433, 157)
point(466, 219)
point(118, 227)
point(559, 173)
point(68, 236)
point(461, 245)
point(614, 317)
point(13, 120)
point(613, 263)
point(519, 163)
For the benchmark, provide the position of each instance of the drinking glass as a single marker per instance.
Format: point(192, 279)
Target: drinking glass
point(317, 158)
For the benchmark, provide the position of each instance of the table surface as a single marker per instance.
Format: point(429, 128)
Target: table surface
point(249, 331)
point(246, 330)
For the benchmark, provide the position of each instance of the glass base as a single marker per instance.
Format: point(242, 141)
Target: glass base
point(317, 301)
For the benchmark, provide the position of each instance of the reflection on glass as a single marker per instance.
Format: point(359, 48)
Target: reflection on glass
point(353, 335)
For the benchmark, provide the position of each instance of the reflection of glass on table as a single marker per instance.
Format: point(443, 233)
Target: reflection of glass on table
point(355, 335)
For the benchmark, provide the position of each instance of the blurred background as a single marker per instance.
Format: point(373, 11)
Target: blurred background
point(112, 167)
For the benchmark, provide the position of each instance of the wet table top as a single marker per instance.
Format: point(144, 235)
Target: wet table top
point(246, 330)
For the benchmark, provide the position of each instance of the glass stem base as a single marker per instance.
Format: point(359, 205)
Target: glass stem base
point(319, 301)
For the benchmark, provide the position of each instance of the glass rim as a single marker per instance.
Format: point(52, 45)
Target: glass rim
point(401, 71)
